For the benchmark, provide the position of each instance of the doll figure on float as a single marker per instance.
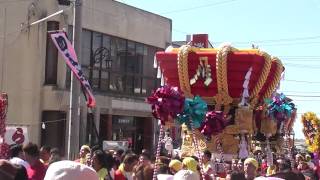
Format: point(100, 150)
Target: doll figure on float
point(243, 147)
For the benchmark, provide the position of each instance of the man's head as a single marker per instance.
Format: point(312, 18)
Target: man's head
point(250, 168)
point(16, 151)
point(175, 166)
point(145, 158)
point(240, 165)
point(299, 158)
point(31, 152)
point(12, 172)
point(284, 165)
point(190, 164)
point(45, 153)
point(234, 164)
point(206, 156)
point(130, 160)
point(302, 165)
point(84, 150)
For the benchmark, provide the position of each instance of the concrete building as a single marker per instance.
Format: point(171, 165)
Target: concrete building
point(118, 45)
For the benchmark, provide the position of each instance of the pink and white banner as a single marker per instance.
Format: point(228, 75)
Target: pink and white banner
point(67, 51)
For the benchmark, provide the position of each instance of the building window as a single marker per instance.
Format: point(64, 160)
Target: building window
point(51, 56)
point(118, 66)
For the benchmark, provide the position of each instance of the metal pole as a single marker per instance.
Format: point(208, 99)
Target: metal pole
point(74, 101)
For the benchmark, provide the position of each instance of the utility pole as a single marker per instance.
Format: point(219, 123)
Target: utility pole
point(74, 101)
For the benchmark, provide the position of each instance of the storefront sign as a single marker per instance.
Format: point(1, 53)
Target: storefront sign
point(16, 135)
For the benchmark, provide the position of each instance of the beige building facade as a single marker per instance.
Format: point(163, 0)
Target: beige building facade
point(118, 44)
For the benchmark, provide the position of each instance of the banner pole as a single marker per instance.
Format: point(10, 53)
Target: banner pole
point(74, 101)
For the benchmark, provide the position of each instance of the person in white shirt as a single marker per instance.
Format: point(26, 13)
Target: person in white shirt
point(17, 156)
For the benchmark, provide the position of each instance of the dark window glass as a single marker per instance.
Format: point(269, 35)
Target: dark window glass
point(95, 83)
point(118, 54)
point(117, 82)
point(64, 2)
point(107, 62)
point(104, 80)
point(51, 55)
point(118, 65)
point(85, 48)
point(137, 85)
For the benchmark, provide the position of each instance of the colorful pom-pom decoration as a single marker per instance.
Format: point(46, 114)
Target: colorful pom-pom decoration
point(280, 107)
point(166, 102)
point(214, 124)
point(194, 109)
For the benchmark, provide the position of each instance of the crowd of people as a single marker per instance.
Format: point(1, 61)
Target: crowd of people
point(29, 162)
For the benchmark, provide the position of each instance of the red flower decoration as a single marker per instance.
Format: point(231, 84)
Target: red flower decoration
point(166, 102)
point(4, 151)
point(214, 124)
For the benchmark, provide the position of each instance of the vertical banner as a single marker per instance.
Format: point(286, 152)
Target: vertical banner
point(67, 51)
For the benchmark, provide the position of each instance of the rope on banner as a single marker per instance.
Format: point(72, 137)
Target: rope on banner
point(155, 170)
point(197, 149)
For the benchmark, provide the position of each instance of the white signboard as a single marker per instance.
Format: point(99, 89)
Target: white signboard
point(16, 135)
point(115, 145)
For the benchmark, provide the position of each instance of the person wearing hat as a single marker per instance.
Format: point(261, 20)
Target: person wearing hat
point(68, 170)
point(84, 150)
point(189, 169)
point(190, 164)
point(175, 166)
point(250, 168)
point(185, 174)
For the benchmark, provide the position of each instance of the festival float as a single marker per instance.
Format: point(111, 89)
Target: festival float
point(311, 131)
point(224, 98)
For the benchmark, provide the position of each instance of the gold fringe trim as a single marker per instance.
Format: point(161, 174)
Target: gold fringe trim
point(223, 97)
point(183, 69)
point(263, 78)
point(276, 79)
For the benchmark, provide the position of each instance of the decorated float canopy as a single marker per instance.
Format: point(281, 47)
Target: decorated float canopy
point(220, 75)
point(238, 83)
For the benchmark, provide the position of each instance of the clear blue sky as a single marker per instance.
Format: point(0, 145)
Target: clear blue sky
point(293, 26)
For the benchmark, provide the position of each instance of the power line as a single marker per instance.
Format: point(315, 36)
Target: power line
point(303, 66)
point(277, 40)
point(12, 1)
point(307, 100)
point(198, 7)
point(295, 95)
point(302, 56)
point(291, 44)
point(304, 92)
point(312, 82)
point(179, 31)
